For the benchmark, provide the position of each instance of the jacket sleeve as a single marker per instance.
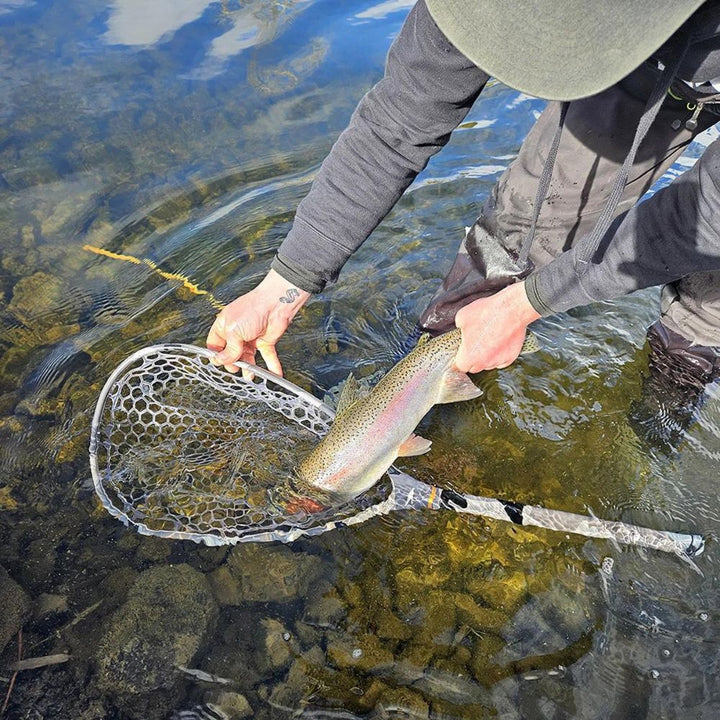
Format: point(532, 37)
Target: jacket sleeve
point(674, 233)
point(427, 90)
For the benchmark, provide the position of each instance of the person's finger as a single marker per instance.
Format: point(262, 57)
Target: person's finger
point(248, 353)
point(270, 356)
point(216, 337)
point(248, 356)
point(462, 360)
point(232, 351)
point(460, 364)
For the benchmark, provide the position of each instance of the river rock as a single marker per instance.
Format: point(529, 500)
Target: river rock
point(234, 706)
point(301, 681)
point(49, 605)
point(272, 574)
point(164, 621)
point(477, 616)
point(277, 647)
point(325, 612)
point(364, 653)
point(547, 623)
point(401, 702)
point(224, 587)
point(16, 606)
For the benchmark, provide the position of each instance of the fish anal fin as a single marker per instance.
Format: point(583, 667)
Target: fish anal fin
point(414, 445)
point(456, 386)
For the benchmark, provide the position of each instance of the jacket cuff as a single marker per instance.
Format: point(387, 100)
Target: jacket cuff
point(534, 296)
point(308, 258)
point(556, 287)
point(297, 275)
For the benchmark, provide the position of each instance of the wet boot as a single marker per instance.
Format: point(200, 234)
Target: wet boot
point(674, 389)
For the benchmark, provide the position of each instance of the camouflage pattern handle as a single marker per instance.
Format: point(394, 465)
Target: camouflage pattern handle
point(411, 494)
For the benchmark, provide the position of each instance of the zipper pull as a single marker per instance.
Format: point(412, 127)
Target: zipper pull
point(692, 123)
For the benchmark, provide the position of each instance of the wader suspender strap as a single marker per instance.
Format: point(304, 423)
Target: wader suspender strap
point(543, 186)
point(588, 245)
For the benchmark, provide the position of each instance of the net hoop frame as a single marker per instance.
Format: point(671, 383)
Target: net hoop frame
point(209, 538)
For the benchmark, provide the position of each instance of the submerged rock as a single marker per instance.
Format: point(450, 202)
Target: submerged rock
point(272, 573)
point(301, 681)
point(164, 621)
point(15, 607)
point(548, 623)
point(277, 648)
point(325, 612)
point(365, 653)
point(234, 706)
point(224, 586)
point(401, 702)
point(49, 605)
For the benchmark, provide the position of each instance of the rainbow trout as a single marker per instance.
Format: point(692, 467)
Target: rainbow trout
point(370, 432)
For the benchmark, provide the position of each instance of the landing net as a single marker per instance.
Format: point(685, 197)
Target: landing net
point(181, 448)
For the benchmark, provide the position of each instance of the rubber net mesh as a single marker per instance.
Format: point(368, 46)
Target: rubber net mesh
point(181, 448)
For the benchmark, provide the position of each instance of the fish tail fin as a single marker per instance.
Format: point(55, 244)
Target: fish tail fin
point(414, 445)
point(457, 386)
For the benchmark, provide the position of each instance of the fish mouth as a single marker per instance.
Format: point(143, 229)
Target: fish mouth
point(310, 498)
point(336, 500)
point(306, 498)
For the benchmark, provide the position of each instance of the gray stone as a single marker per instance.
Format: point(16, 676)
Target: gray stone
point(233, 705)
point(48, 604)
point(164, 621)
point(401, 702)
point(272, 574)
point(325, 612)
point(16, 606)
point(277, 648)
point(547, 623)
point(308, 634)
point(225, 587)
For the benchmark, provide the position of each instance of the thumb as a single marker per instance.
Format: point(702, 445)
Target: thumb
point(232, 351)
point(462, 360)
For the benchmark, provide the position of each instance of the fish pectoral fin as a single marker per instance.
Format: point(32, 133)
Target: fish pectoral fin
point(457, 386)
point(414, 445)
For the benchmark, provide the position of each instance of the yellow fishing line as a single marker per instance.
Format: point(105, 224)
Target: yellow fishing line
point(186, 282)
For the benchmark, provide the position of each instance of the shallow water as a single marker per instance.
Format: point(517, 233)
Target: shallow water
point(180, 137)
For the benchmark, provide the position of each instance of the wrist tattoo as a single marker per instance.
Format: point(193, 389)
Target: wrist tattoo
point(290, 295)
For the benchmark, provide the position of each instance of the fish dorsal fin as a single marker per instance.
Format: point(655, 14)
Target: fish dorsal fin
point(531, 344)
point(423, 339)
point(351, 391)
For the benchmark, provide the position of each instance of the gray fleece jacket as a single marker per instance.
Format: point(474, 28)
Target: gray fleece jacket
point(427, 90)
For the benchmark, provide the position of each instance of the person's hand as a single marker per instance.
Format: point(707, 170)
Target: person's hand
point(493, 329)
point(255, 322)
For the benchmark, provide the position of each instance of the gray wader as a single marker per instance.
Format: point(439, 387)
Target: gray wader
point(596, 138)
